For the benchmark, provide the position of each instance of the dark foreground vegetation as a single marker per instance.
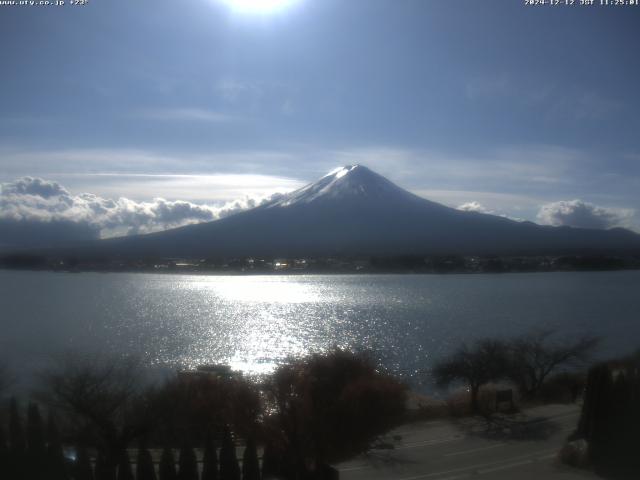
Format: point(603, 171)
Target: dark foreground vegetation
point(528, 362)
point(607, 434)
point(96, 419)
point(545, 369)
point(197, 425)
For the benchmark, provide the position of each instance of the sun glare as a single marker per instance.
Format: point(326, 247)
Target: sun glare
point(258, 6)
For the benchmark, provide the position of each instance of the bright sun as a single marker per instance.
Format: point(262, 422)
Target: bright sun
point(258, 6)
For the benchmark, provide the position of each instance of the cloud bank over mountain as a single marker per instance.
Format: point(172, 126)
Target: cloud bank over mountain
point(37, 207)
point(38, 212)
point(577, 213)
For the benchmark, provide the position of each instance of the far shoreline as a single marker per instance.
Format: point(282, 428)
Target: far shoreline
point(326, 265)
point(302, 273)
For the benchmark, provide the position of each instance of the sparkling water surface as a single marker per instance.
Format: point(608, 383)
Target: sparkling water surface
point(255, 322)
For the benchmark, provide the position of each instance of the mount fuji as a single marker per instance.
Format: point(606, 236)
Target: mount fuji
point(354, 211)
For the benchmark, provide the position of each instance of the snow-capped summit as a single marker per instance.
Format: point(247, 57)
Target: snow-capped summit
point(348, 183)
point(354, 211)
point(341, 171)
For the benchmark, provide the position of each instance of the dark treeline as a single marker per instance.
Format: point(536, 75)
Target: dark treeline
point(104, 423)
point(334, 264)
point(529, 362)
point(35, 452)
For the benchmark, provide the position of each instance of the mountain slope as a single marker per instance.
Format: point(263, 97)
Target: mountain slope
point(354, 211)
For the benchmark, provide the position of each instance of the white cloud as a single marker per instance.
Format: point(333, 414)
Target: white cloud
point(576, 213)
point(226, 175)
point(514, 179)
point(36, 187)
point(31, 199)
point(185, 114)
point(216, 188)
point(474, 207)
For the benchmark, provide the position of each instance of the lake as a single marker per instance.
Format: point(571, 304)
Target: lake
point(254, 322)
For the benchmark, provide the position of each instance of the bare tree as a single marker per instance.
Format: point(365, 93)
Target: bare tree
point(326, 408)
point(192, 405)
point(483, 362)
point(101, 397)
point(533, 357)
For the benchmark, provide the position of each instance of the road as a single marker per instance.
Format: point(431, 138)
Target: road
point(522, 447)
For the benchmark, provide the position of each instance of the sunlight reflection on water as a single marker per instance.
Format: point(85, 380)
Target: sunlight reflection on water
point(267, 319)
point(259, 289)
point(255, 322)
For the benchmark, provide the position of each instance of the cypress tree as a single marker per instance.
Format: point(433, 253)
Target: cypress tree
point(229, 469)
point(250, 465)
point(35, 431)
point(17, 444)
point(188, 464)
point(634, 408)
point(36, 448)
point(56, 464)
point(270, 462)
point(610, 419)
point(4, 453)
point(83, 470)
point(621, 450)
point(104, 469)
point(210, 460)
point(16, 432)
point(593, 398)
point(124, 467)
point(144, 468)
point(601, 434)
point(167, 466)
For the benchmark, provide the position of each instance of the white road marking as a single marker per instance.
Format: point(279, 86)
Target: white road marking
point(504, 467)
point(456, 477)
point(426, 426)
point(473, 450)
point(357, 467)
point(430, 442)
point(548, 457)
point(483, 465)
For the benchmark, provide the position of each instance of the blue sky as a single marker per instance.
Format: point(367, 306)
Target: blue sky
point(493, 105)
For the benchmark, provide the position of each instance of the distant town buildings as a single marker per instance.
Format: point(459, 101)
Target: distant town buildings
point(337, 264)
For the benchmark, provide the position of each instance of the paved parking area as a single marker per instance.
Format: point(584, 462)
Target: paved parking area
point(523, 446)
